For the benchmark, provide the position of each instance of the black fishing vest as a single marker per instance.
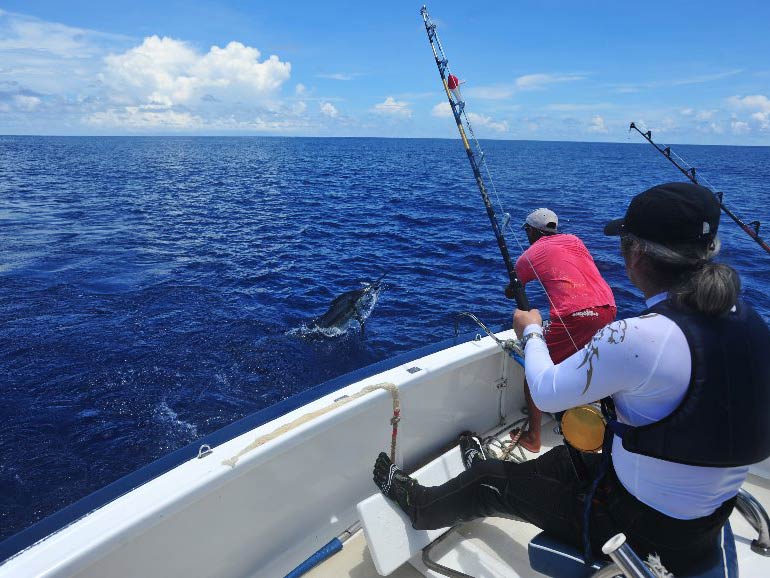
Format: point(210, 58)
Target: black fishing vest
point(724, 418)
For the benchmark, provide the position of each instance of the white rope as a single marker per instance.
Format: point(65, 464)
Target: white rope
point(263, 439)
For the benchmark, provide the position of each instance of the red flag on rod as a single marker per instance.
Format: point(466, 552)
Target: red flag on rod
point(453, 83)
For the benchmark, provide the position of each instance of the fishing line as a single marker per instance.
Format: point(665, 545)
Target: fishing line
point(507, 225)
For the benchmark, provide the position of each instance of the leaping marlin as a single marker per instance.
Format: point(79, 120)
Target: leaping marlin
point(350, 305)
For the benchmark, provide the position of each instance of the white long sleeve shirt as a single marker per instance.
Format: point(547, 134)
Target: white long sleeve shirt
point(644, 364)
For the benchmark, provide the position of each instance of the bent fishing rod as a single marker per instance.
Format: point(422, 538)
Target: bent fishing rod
point(751, 229)
point(515, 289)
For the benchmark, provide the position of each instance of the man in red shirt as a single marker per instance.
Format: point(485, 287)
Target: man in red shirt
point(581, 301)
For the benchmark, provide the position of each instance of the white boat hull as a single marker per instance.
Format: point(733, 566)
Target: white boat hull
point(287, 498)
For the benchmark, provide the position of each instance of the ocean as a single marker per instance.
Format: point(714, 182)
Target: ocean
point(154, 290)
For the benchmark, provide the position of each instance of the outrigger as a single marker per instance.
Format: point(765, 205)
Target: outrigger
point(751, 229)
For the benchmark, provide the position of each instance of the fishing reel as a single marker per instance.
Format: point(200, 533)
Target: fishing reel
point(583, 428)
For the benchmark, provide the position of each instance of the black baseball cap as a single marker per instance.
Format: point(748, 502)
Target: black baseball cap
point(669, 214)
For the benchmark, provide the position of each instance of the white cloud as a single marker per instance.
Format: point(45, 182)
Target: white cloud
point(165, 83)
point(138, 118)
point(50, 58)
point(715, 128)
point(506, 91)
point(328, 109)
point(655, 84)
point(659, 124)
point(597, 124)
point(758, 102)
point(21, 33)
point(482, 120)
point(493, 92)
point(85, 80)
point(758, 107)
point(541, 80)
point(705, 114)
point(339, 75)
point(703, 78)
point(700, 115)
point(168, 72)
point(26, 102)
point(763, 119)
point(572, 107)
point(442, 110)
point(300, 89)
point(739, 127)
point(393, 107)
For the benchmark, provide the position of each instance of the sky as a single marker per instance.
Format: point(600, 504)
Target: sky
point(692, 72)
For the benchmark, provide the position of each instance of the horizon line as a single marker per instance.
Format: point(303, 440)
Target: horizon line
point(176, 135)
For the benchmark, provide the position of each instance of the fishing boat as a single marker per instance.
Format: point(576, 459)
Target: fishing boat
point(288, 491)
point(269, 492)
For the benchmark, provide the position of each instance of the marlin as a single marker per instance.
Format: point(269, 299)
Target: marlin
point(348, 306)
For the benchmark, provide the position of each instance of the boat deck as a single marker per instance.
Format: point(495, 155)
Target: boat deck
point(506, 540)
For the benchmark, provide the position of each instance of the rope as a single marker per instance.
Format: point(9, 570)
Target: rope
point(394, 422)
point(505, 449)
point(261, 440)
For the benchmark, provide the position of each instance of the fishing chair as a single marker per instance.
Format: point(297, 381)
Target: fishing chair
point(392, 541)
point(553, 558)
point(558, 560)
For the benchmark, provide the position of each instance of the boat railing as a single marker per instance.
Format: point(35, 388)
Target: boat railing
point(757, 517)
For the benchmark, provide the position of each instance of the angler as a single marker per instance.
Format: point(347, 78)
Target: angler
point(667, 478)
point(559, 262)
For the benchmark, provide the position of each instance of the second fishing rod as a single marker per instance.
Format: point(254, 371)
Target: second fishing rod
point(751, 229)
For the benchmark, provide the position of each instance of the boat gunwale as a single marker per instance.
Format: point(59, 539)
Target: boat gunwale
point(25, 539)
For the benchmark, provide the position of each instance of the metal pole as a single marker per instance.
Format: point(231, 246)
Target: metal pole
point(626, 559)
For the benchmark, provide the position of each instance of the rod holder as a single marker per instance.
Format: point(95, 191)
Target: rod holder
point(625, 558)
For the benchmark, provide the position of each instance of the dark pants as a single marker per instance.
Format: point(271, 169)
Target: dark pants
point(549, 492)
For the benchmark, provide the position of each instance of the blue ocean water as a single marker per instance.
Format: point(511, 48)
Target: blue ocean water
point(151, 289)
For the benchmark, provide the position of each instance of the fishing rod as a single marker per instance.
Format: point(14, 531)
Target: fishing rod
point(515, 289)
point(751, 229)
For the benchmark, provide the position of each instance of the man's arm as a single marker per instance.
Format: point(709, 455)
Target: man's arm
point(612, 361)
point(524, 270)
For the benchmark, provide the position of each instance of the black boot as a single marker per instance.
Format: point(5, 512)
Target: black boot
point(471, 449)
point(394, 483)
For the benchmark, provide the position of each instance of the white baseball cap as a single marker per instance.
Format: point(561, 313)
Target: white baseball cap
point(544, 220)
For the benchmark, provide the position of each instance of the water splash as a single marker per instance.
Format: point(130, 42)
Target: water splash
point(310, 330)
point(167, 415)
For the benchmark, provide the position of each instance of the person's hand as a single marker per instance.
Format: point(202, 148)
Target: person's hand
point(523, 318)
